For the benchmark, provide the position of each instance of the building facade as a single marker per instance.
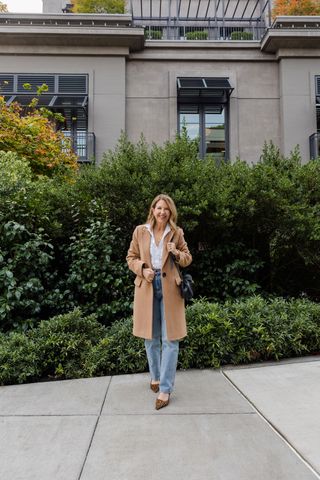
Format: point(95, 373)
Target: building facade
point(220, 69)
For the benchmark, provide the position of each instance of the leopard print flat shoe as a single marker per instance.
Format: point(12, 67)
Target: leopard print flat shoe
point(162, 403)
point(154, 387)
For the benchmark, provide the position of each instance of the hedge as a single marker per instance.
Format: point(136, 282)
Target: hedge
point(241, 36)
point(235, 332)
point(197, 35)
point(153, 34)
point(251, 229)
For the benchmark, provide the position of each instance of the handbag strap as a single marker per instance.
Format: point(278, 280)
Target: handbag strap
point(174, 263)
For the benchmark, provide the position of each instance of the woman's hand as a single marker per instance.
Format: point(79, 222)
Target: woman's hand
point(171, 246)
point(148, 274)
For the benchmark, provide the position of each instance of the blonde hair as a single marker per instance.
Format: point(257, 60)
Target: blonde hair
point(173, 211)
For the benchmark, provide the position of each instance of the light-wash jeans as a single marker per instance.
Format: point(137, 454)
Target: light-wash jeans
point(162, 362)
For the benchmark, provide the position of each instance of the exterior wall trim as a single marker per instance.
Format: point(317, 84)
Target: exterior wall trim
point(70, 30)
point(292, 32)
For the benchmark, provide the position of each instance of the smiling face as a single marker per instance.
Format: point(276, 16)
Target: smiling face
point(161, 213)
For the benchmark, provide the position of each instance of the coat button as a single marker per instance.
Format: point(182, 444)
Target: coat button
point(164, 274)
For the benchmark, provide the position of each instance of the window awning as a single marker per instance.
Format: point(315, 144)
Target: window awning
point(53, 102)
point(203, 90)
point(24, 100)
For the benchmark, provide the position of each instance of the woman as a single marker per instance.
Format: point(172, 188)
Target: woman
point(158, 311)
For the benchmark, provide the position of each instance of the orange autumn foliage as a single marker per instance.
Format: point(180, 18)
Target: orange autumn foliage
point(32, 135)
point(296, 7)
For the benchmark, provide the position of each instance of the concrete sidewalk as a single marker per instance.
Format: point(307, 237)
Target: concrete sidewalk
point(260, 422)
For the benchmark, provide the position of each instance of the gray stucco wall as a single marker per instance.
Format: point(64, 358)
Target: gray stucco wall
point(273, 98)
point(254, 105)
point(297, 100)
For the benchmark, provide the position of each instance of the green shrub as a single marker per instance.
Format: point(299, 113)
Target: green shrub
point(19, 360)
point(56, 348)
point(15, 174)
point(133, 174)
point(226, 271)
point(16, 183)
point(208, 336)
point(118, 352)
point(241, 36)
point(197, 35)
point(250, 228)
point(153, 34)
point(26, 273)
point(249, 330)
point(98, 278)
point(63, 343)
point(99, 6)
point(236, 332)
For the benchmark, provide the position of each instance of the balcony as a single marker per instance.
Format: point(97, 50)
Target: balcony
point(69, 30)
point(314, 141)
point(202, 20)
point(292, 32)
point(83, 144)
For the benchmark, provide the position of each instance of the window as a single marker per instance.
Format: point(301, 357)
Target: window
point(189, 117)
point(57, 84)
point(207, 124)
point(203, 111)
point(66, 94)
point(215, 138)
point(314, 139)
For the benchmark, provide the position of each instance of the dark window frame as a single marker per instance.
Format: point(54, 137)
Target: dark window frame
point(202, 126)
point(16, 77)
point(205, 93)
point(317, 89)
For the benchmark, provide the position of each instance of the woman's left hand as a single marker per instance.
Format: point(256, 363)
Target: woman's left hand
point(171, 246)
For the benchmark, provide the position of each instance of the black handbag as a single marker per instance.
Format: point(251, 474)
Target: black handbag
point(186, 285)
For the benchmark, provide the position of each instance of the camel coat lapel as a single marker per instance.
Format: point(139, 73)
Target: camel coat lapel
point(146, 241)
point(168, 238)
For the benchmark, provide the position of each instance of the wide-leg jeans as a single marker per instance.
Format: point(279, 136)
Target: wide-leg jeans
point(162, 361)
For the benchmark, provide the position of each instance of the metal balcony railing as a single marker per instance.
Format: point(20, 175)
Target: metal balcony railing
point(204, 31)
point(314, 141)
point(83, 144)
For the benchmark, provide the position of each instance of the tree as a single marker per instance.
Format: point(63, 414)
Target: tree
point(31, 133)
point(3, 7)
point(98, 6)
point(296, 7)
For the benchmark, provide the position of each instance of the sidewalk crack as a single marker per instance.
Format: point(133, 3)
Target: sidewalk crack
point(272, 426)
point(94, 430)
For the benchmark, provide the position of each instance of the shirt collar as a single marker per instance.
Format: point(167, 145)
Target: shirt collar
point(166, 230)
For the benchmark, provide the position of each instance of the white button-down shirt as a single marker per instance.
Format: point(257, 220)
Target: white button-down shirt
point(157, 250)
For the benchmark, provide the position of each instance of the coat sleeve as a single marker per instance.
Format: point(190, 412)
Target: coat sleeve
point(185, 257)
point(133, 256)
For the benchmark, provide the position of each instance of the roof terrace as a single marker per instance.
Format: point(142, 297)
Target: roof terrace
point(201, 19)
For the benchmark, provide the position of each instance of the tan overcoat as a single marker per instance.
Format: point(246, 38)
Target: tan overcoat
point(174, 309)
